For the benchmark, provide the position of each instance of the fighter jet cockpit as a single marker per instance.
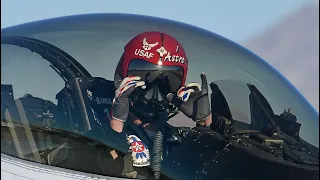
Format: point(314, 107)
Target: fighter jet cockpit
point(59, 86)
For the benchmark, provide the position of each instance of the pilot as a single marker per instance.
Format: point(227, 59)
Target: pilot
point(149, 79)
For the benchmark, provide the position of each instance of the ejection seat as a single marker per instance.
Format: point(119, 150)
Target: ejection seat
point(86, 103)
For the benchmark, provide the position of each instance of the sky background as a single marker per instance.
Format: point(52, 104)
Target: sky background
point(236, 20)
point(239, 21)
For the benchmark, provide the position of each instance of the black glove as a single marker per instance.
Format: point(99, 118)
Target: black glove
point(120, 106)
point(193, 100)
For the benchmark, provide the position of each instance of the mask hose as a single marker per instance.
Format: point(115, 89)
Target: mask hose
point(162, 118)
point(158, 144)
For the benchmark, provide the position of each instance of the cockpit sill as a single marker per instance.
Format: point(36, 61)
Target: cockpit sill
point(244, 150)
point(30, 170)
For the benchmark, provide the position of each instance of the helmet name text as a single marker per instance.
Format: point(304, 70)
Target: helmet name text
point(174, 58)
point(143, 53)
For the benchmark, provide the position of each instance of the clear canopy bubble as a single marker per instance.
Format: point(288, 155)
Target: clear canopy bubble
point(255, 93)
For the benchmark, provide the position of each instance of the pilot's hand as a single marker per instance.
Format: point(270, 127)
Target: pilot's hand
point(193, 100)
point(120, 106)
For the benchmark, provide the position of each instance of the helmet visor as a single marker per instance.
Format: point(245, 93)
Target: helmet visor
point(168, 78)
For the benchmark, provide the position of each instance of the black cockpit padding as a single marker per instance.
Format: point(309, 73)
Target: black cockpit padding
point(102, 95)
point(98, 93)
point(259, 119)
point(264, 102)
point(261, 111)
point(221, 114)
point(92, 97)
point(7, 102)
point(219, 103)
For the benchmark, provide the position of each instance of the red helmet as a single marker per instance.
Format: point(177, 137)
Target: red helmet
point(150, 51)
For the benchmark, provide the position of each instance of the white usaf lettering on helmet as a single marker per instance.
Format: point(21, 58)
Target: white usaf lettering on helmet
point(146, 47)
point(143, 53)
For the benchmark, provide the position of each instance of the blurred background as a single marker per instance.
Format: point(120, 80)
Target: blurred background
point(285, 32)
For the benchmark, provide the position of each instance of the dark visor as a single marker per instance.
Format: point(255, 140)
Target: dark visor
point(168, 78)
